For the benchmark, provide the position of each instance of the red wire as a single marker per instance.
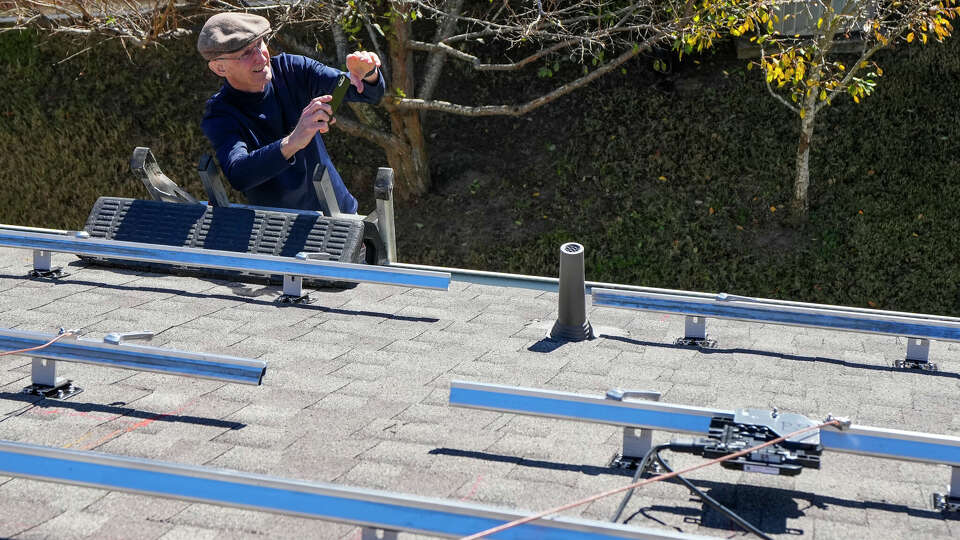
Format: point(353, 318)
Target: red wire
point(568, 506)
point(38, 347)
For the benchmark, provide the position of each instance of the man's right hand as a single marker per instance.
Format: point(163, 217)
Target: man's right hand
point(317, 117)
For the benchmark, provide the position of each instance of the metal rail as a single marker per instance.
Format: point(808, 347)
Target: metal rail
point(480, 277)
point(523, 281)
point(364, 507)
point(550, 284)
point(918, 329)
point(893, 444)
point(22, 228)
point(82, 244)
point(820, 316)
point(864, 440)
point(126, 356)
point(565, 405)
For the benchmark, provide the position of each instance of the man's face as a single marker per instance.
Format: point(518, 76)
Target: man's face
point(247, 70)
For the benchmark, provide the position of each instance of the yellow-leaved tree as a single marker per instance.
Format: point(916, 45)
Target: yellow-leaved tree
point(815, 51)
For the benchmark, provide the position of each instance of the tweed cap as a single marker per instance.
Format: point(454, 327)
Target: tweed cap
point(225, 33)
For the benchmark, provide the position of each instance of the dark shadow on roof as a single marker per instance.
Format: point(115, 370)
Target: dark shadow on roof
point(645, 512)
point(592, 470)
point(546, 345)
point(242, 297)
point(121, 411)
point(768, 508)
point(785, 356)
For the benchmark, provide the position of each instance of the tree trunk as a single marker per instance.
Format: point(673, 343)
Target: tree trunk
point(801, 184)
point(408, 158)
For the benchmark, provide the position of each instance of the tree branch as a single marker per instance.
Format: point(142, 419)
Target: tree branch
point(340, 43)
point(518, 110)
point(781, 99)
point(356, 129)
point(477, 65)
point(853, 70)
point(437, 57)
point(778, 97)
point(525, 30)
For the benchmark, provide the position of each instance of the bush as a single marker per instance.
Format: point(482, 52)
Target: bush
point(679, 180)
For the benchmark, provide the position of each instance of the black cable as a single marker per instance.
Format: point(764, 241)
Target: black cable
point(710, 500)
point(642, 467)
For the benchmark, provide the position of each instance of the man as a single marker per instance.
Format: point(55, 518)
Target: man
point(266, 120)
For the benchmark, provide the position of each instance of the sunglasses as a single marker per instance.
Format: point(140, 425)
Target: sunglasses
point(250, 52)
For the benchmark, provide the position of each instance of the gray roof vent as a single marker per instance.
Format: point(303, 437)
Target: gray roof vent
point(572, 323)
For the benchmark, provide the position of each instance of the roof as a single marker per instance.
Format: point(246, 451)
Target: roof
point(356, 394)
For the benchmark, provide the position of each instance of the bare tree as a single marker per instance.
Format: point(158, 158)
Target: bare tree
point(602, 34)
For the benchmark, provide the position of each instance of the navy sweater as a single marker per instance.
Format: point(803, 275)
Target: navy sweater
point(246, 129)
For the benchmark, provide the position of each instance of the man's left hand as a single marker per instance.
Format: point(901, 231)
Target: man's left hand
point(359, 64)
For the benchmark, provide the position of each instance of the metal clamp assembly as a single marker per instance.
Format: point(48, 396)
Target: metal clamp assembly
point(43, 262)
point(116, 338)
point(843, 423)
point(636, 441)
point(293, 285)
point(695, 333)
point(918, 354)
point(371, 533)
point(293, 291)
point(44, 380)
point(321, 256)
point(43, 266)
point(724, 297)
point(46, 384)
point(949, 501)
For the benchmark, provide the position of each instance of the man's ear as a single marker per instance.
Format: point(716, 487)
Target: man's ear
point(217, 67)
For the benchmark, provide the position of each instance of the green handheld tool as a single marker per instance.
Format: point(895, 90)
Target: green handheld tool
point(343, 83)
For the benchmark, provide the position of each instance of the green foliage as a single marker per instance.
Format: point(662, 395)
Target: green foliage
point(684, 182)
point(17, 50)
point(68, 129)
point(678, 180)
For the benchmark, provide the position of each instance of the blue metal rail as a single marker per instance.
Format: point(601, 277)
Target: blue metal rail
point(228, 260)
point(638, 414)
point(364, 507)
point(138, 357)
point(766, 311)
point(864, 440)
point(893, 444)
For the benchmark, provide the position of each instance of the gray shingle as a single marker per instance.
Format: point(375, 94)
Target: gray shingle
point(69, 524)
point(356, 394)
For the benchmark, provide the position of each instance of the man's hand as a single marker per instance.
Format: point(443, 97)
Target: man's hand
point(317, 117)
point(359, 64)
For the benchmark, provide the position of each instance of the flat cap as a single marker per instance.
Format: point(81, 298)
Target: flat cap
point(225, 33)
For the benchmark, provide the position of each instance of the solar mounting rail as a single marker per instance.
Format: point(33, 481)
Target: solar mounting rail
point(617, 409)
point(371, 509)
point(917, 329)
point(519, 281)
point(113, 352)
point(293, 269)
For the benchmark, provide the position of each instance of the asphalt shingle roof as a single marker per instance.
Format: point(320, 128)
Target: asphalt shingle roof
point(356, 394)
